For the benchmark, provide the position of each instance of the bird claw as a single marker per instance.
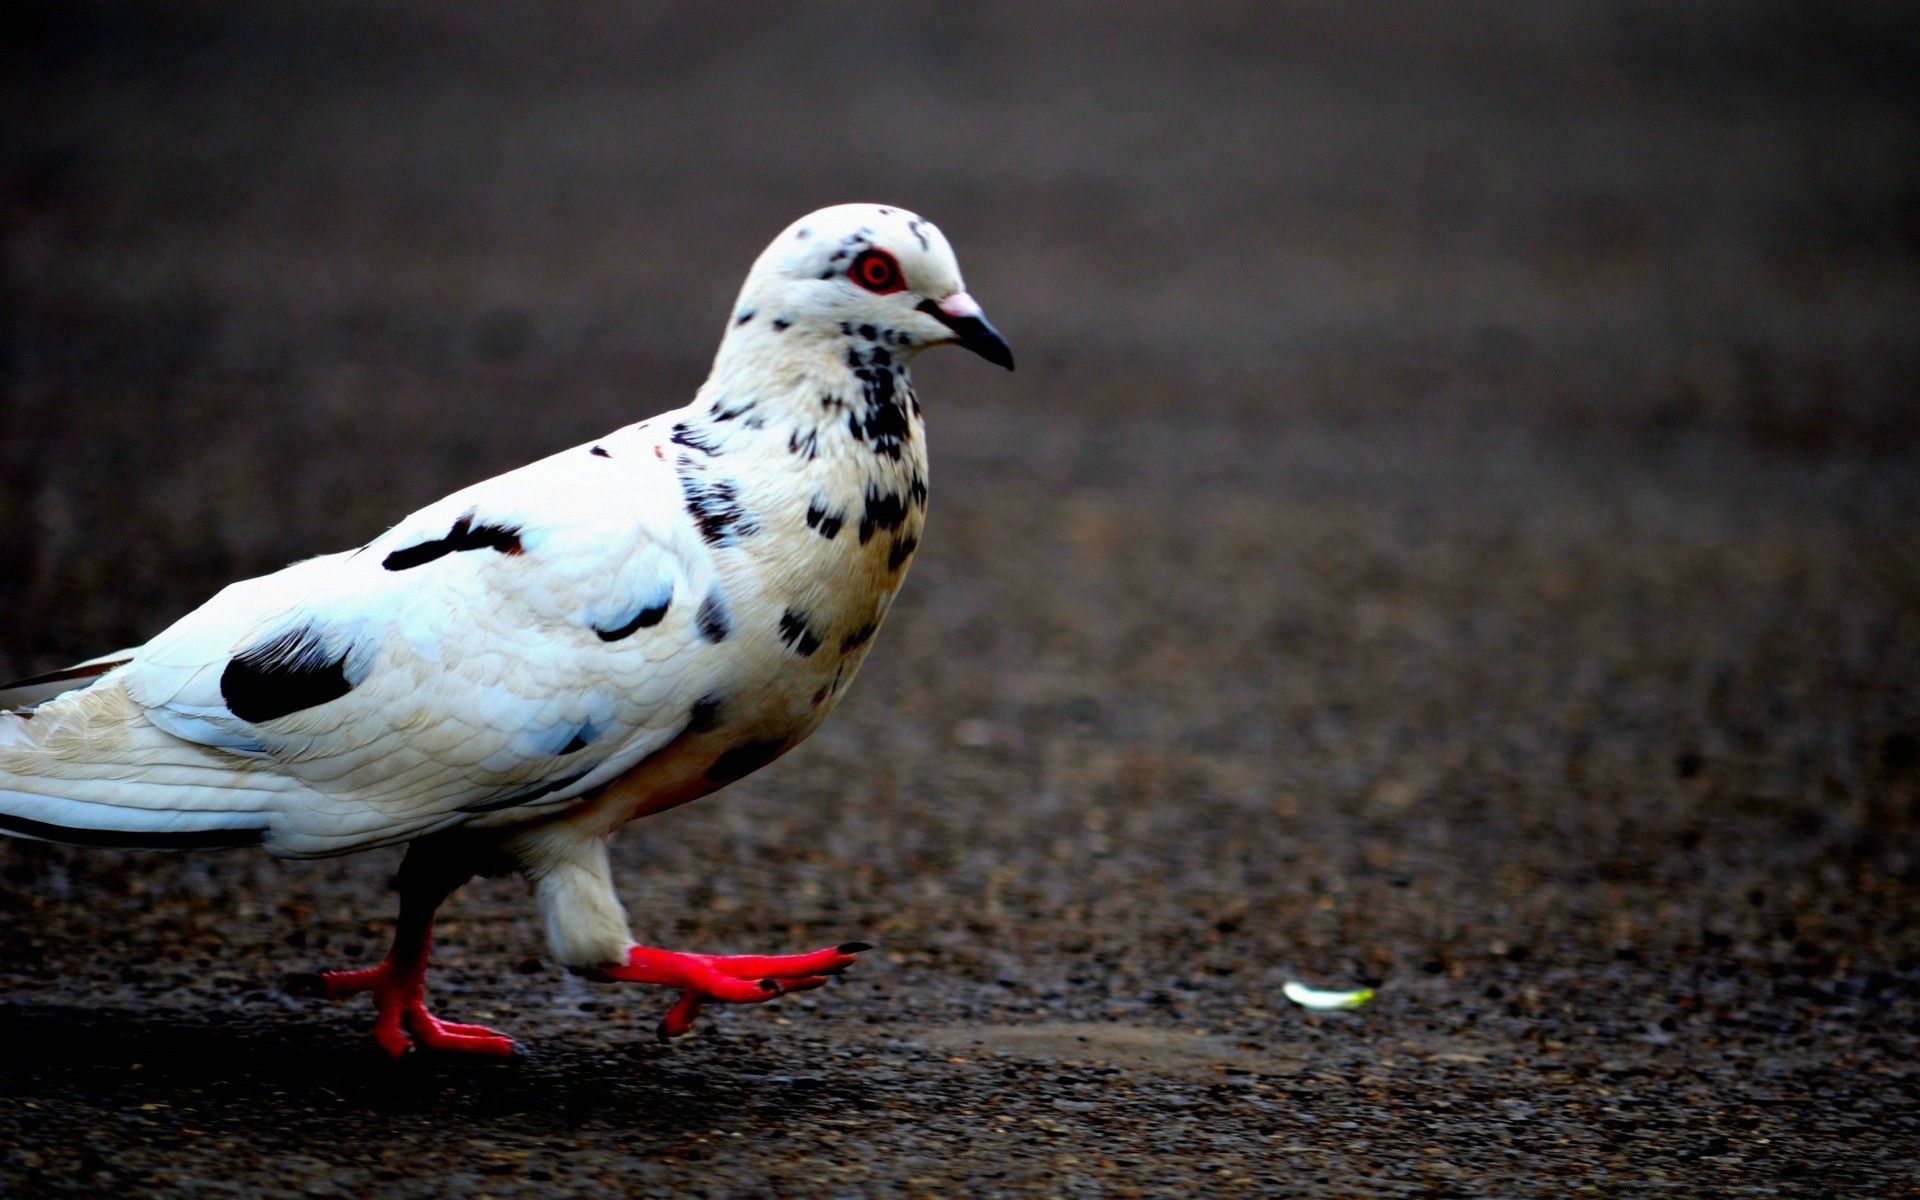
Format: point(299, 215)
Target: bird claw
point(403, 1024)
point(733, 979)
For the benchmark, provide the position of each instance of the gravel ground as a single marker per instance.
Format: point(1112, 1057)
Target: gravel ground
point(1519, 613)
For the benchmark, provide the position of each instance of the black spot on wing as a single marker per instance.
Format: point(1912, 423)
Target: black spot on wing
point(527, 796)
point(714, 621)
point(794, 632)
point(133, 839)
point(888, 512)
point(646, 618)
point(464, 535)
point(806, 445)
point(781, 324)
point(586, 735)
point(704, 715)
point(286, 675)
point(743, 760)
point(715, 507)
point(825, 523)
point(744, 317)
point(903, 549)
point(859, 637)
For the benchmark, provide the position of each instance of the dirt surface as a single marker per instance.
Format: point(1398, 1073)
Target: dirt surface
point(1452, 530)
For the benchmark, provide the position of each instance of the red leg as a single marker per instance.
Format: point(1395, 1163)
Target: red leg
point(735, 979)
point(399, 983)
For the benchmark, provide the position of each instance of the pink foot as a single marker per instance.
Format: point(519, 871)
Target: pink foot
point(404, 1022)
point(734, 978)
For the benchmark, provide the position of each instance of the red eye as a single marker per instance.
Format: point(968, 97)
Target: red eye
point(876, 271)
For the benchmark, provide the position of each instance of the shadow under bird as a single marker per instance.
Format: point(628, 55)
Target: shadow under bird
point(508, 676)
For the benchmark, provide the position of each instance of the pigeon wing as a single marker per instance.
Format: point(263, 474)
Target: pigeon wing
point(508, 648)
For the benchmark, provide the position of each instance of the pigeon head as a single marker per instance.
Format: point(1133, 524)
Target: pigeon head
point(867, 271)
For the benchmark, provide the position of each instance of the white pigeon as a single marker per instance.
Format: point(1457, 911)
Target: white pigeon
point(508, 676)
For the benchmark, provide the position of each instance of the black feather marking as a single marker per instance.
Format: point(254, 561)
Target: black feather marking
point(903, 549)
point(286, 675)
point(794, 632)
point(66, 674)
point(714, 621)
point(526, 797)
point(599, 452)
point(781, 324)
point(883, 424)
point(888, 512)
point(859, 637)
point(744, 317)
point(827, 524)
point(695, 439)
point(22, 696)
point(743, 760)
point(464, 535)
point(582, 737)
point(807, 446)
point(832, 687)
point(869, 332)
point(646, 618)
point(133, 839)
point(716, 509)
point(916, 228)
point(704, 715)
point(721, 412)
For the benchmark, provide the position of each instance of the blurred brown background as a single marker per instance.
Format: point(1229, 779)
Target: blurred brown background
point(277, 272)
point(1453, 526)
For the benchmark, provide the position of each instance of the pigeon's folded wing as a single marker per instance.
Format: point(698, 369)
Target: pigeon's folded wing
point(508, 648)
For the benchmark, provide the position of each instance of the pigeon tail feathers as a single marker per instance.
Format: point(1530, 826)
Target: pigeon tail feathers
point(86, 769)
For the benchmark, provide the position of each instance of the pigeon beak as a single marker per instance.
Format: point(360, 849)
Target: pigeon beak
point(961, 313)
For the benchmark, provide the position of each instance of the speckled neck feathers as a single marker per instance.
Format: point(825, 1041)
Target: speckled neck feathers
point(822, 424)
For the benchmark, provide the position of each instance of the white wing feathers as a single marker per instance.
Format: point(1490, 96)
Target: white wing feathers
point(507, 648)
